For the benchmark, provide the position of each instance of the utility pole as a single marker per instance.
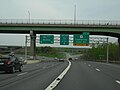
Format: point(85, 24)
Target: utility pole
point(119, 48)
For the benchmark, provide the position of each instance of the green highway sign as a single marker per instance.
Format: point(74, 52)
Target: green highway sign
point(46, 39)
point(86, 33)
point(81, 39)
point(64, 39)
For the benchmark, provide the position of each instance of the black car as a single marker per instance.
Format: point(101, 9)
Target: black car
point(70, 58)
point(10, 64)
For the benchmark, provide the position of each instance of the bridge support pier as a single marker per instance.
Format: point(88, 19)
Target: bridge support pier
point(32, 44)
point(119, 48)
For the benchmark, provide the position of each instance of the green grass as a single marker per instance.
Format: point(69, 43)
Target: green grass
point(53, 55)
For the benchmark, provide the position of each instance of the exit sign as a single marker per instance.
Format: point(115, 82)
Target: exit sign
point(81, 39)
point(64, 39)
point(46, 39)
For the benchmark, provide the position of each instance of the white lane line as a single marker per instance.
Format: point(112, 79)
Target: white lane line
point(89, 65)
point(117, 81)
point(22, 73)
point(59, 78)
point(97, 69)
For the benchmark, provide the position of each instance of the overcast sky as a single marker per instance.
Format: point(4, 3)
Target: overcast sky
point(60, 9)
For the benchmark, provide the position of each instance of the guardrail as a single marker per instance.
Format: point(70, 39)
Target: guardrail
point(45, 21)
point(105, 61)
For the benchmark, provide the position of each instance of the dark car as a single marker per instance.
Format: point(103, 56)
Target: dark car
point(70, 58)
point(10, 64)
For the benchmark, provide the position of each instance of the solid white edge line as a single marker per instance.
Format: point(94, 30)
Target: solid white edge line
point(22, 73)
point(59, 78)
point(97, 69)
point(117, 81)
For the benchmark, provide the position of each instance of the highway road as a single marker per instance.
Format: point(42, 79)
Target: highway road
point(82, 75)
point(91, 76)
point(33, 77)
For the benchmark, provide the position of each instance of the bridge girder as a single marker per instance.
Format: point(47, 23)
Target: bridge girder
point(113, 31)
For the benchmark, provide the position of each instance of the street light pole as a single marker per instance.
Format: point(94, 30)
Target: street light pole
point(107, 51)
point(26, 48)
point(29, 16)
point(74, 14)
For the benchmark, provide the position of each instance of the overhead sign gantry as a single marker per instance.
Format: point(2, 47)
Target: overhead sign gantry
point(78, 39)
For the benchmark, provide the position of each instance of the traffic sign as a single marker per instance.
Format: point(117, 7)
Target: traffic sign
point(81, 44)
point(86, 33)
point(64, 39)
point(46, 39)
point(81, 39)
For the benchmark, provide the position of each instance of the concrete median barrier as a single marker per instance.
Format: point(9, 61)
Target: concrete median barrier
point(33, 61)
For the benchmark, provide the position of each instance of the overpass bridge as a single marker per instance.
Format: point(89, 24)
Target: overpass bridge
point(95, 27)
point(41, 26)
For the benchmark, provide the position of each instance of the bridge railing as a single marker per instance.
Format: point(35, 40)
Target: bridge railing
point(45, 21)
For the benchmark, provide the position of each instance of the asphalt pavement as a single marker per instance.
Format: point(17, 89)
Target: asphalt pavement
point(91, 76)
point(33, 77)
point(82, 75)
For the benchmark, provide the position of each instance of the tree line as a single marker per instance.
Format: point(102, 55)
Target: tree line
point(99, 52)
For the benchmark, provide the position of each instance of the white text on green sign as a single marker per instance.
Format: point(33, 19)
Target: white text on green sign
point(46, 39)
point(64, 39)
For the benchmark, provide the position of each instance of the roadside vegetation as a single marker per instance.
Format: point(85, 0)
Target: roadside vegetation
point(96, 53)
point(49, 52)
point(99, 53)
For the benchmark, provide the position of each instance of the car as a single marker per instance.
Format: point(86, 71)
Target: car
point(61, 60)
point(76, 58)
point(55, 58)
point(23, 61)
point(70, 58)
point(10, 64)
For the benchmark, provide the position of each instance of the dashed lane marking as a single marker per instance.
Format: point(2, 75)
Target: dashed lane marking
point(37, 65)
point(22, 73)
point(89, 65)
point(97, 69)
point(44, 67)
point(117, 81)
